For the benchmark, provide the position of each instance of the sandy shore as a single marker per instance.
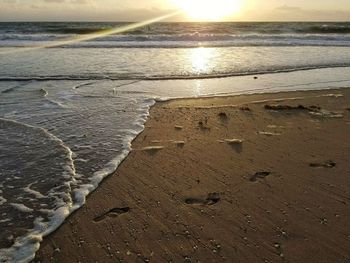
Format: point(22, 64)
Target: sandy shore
point(259, 178)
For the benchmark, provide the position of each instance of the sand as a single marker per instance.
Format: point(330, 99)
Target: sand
point(258, 178)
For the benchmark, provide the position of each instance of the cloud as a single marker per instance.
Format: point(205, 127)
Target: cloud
point(292, 13)
point(286, 8)
point(54, 1)
point(71, 1)
point(136, 10)
point(77, 10)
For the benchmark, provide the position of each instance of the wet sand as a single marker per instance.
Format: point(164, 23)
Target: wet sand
point(258, 178)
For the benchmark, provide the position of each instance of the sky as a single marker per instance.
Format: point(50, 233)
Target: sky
point(138, 10)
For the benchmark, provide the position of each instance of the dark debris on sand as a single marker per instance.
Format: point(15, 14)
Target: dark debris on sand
point(327, 164)
point(288, 107)
point(259, 175)
point(245, 108)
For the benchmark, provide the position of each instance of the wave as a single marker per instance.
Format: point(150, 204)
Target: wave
point(23, 139)
point(326, 29)
point(180, 34)
point(79, 28)
point(180, 40)
point(66, 200)
point(11, 89)
point(178, 37)
point(79, 31)
point(138, 78)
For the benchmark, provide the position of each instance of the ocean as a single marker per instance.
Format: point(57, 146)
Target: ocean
point(68, 113)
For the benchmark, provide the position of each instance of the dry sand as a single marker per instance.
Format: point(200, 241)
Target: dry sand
point(259, 178)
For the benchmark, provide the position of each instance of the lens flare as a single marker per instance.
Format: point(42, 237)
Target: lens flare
point(98, 34)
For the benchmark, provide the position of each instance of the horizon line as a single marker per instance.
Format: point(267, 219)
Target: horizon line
point(127, 21)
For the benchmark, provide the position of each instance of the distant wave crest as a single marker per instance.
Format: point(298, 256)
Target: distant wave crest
point(180, 34)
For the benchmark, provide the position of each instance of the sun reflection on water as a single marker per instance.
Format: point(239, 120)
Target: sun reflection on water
point(200, 59)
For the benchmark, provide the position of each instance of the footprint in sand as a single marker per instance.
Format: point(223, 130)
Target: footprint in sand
point(114, 212)
point(223, 117)
point(326, 164)
point(211, 199)
point(259, 175)
point(204, 126)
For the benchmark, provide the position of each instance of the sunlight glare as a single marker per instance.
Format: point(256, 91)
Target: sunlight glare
point(200, 58)
point(204, 10)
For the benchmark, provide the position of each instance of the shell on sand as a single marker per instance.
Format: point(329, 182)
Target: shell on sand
point(152, 148)
point(327, 114)
point(269, 133)
point(234, 141)
point(179, 142)
point(156, 141)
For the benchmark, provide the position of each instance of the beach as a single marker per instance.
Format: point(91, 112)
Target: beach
point(247, 178)
point(74, 95)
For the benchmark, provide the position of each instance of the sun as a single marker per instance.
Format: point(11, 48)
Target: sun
point(208, 10)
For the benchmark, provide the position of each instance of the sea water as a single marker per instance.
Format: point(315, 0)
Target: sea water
point(68, 114)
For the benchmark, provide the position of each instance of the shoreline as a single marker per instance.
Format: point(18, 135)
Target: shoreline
point(172, 199)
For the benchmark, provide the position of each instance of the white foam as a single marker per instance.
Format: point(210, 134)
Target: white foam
point(336, 95)
point(26, 246)
point(33, 192)
point(2, 200)
point(21, 207)
point(23, 247)
point(81, 160)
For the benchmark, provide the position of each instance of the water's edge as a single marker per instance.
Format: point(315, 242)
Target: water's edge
point(26, 246)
